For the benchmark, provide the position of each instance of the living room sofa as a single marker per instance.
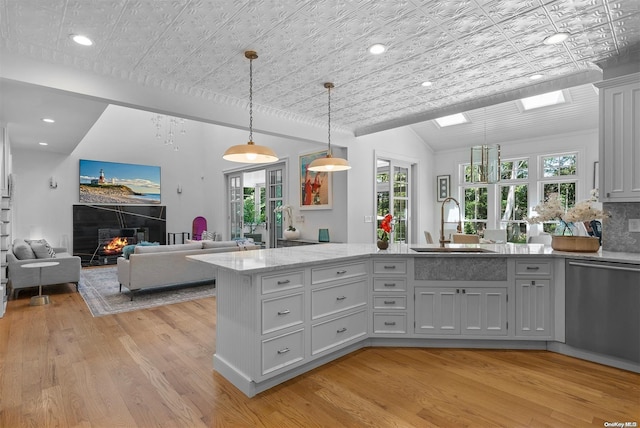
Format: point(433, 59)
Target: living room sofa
point(21, 253)
point(167, 265)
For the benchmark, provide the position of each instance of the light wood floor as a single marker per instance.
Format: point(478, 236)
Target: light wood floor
point(61, 367)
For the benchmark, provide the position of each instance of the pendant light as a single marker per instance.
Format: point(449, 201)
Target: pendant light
point(250, 152)
point(329, 163)
point(485, 160)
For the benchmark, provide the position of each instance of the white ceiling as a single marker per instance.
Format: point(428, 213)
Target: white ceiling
point(477, 53)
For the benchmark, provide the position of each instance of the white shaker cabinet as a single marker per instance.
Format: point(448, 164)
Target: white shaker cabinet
point(533, 298)
point(620, 139)
point(466, 310)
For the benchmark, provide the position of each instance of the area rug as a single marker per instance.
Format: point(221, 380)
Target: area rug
point(100, 289)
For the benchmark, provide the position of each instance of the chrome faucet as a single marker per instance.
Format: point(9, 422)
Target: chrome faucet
point(442, 222)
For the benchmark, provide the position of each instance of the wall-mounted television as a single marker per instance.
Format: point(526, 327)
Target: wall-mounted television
point(118, 183)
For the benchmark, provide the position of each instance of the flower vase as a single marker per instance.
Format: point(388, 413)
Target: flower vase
point(575, 244)
point(290, 235)
point(382, 245)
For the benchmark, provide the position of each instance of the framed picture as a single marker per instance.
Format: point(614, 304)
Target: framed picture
point(118, 183)
point(315, 187)
point(442, 182)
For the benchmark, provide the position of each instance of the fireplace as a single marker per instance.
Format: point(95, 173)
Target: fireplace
point(100, 232)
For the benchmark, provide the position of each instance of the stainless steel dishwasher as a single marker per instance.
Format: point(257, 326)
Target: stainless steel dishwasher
point(603, 307)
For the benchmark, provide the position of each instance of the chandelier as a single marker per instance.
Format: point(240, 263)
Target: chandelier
point(166, 129)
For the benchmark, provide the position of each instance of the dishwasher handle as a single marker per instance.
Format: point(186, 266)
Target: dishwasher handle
point(599, 266)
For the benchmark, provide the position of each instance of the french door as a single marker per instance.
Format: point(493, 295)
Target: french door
point(393, 196)
point(271, 226)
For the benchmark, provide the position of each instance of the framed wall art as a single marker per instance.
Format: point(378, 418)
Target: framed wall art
point(442, 181)
point(315, 187)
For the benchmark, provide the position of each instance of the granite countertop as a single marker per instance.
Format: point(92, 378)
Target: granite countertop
point(260, 261)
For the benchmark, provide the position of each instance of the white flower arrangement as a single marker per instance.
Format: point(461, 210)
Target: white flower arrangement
point(287, 212)
point(552, 209)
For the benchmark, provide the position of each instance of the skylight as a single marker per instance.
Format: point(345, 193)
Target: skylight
point(454, 119)
point(544, 100)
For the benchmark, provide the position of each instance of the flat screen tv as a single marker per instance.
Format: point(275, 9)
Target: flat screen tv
point(118, 183)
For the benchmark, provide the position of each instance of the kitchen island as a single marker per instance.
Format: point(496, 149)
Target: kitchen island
point(282, 312)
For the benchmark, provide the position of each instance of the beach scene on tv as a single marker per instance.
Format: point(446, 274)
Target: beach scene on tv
point(118, 183)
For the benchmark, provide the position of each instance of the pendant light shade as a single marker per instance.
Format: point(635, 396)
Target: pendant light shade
point(485, 164)
point(250, 152)
point(329, 163)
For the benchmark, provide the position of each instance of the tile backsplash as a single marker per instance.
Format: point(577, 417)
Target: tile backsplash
point(615, 229)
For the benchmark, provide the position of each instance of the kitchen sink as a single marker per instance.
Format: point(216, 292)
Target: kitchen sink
point(450, 250)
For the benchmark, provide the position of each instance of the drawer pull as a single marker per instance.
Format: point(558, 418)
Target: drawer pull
point(341, 297)
point(390, 284)
point(286, 281)
point(340, 272)
point(389, 323)
point(341, 330)
point(389, 302)
point(283, 351)
point(533, 267)
point(390, 266)
point(284, 312)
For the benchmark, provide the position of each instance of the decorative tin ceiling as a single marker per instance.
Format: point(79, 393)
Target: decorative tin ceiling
point(469, 49)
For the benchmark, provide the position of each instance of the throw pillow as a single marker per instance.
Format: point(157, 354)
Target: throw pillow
point(41, 248)
point(22, 250)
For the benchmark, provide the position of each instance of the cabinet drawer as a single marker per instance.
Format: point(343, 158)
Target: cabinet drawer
point(390, 302)
point(282, 312)
point(338, 331)
point(390, 267)
point(331, 273)
point(285, 281)
point(389, 284)
point(389, 323)
point(330, 300)
point(533, 267)
point(282, 351)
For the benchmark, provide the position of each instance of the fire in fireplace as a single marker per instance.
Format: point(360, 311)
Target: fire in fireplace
point(112, 241)
point(115, 246)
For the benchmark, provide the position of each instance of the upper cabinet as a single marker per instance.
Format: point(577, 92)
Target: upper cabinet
point(620, 139)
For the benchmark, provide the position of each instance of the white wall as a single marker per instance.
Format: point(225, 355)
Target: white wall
point(401, 144)
point(127, 135)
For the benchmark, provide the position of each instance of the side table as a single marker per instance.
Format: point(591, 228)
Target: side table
point(39, 300)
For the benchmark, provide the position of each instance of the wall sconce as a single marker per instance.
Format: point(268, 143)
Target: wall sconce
point(53, 184)
point(485, 164)
point(179, 190)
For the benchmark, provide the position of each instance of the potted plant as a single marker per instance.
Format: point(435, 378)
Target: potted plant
point(384, 231)
point(287, 212)
point(564, 238)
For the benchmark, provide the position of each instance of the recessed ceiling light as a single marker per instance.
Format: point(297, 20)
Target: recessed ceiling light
point(427, 83)
point(81, 40)
point(48, 120)
point(377, 49)
point(535, 77)
point(42, 143)
point(556, 38)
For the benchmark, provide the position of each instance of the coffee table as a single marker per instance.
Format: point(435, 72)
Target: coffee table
point(39, 300)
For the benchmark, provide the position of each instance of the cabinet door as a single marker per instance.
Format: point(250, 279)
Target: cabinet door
point(437, 310)
point(533, 307)
point(620, 141)
point(484, 311)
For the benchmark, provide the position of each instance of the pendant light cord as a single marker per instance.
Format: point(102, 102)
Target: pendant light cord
point(250, 99)
point(329, 116)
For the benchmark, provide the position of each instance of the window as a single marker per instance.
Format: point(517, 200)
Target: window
point(514, 199)
point(475, 209)
point(506, 204)
point(559, 166)
point(543, 100)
